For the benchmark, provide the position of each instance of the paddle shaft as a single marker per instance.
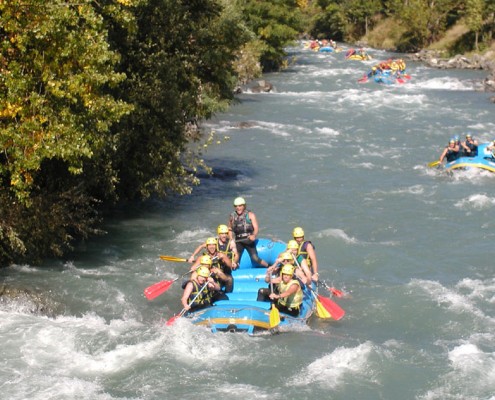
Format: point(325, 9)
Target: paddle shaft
point(184, 310)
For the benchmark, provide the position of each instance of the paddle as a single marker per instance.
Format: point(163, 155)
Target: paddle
point(330, 306)
point(334, 291)
point(434, 163)
point(184, 310)
point(158, 288)
point(274, 313)
point(172, 258)
point(321, 312)
point(333, 308)
point(364, 79)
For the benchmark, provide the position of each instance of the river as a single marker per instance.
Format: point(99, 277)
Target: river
point(411, 246)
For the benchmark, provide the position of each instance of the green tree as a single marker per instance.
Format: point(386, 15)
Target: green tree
point(101, 101)
point(330, 23)
point(276, 24)
point(180, 66)
point(56, 110)
point(359, 13)
point(474, 18)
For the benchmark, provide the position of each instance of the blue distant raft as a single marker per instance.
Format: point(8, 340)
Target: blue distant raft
point(484, 160)
point(242, 312)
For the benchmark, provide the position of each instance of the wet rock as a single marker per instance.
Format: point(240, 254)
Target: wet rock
point(244, 125)
point(262, 86)
point(25, 300)
point(436, 59)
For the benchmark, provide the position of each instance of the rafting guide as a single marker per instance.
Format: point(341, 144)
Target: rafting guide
point(243, 228)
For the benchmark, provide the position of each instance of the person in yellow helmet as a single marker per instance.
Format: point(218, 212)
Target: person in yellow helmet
point(221, 264)
point(303, 272)
point(204, 285)
point(243, 228)
point(307, 251)
point(289, 295)
point(224, 245)
point(288, 256)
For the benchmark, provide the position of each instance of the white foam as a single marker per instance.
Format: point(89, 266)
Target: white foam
point(476, 201)
point(336, 233)
point(444, 83)
point(328, 131)
point(343, 364)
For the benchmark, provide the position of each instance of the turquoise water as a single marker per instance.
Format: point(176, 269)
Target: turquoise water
point(411, 247)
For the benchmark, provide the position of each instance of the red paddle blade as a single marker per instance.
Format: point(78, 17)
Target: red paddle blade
point(173, 319)
point(337, 292)
point(332, 307)
point(157, 289)
point(364, 79)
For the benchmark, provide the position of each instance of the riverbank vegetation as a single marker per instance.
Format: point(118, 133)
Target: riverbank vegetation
point(100, 102)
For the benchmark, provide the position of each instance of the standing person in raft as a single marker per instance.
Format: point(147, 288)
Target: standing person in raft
point(243, 228)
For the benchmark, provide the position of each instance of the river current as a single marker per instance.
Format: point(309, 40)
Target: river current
point(411, 246)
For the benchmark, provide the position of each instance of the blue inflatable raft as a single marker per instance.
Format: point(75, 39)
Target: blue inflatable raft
point(484, 160)
point(242, 312)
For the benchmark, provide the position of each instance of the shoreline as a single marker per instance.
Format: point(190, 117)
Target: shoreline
point(485, 62)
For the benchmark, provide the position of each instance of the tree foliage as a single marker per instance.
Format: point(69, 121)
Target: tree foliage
point(424, 21)
point(276, 23)
point(100, 102)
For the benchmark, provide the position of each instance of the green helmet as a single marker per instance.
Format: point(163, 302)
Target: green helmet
point(239, 201)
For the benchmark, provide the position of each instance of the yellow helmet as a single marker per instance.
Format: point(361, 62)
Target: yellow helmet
point(287, 269)
point(239, 201)
point(211, 240)
point(292, 244)
point(286, 256)
point(203, 271)
point(222, 229)
point(298, 232)
point(205, 260)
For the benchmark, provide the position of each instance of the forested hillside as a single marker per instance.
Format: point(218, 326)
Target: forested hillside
point(100, 101)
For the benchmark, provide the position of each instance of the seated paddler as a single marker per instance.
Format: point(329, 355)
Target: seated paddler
point(200, 291)
point(220, 266)
point(289, 296)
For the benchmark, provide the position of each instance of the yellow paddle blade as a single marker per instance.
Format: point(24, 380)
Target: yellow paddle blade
point(172, 258)
point(274, 317)
point(433, 163)
point(321, 312)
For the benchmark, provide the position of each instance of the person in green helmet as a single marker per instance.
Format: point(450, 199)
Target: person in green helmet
point(243, 228)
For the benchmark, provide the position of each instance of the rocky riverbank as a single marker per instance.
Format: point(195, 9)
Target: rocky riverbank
point(486, 62)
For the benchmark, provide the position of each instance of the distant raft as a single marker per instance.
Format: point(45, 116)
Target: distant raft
point(484, 160)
